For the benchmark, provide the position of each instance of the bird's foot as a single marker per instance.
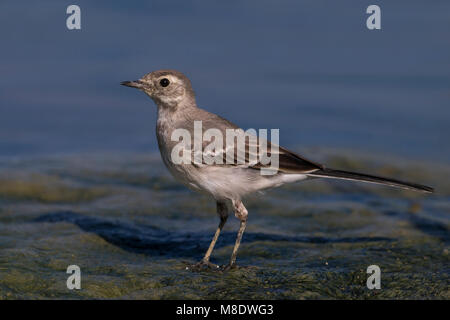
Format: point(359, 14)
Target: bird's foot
point(203, 265)
point(229, 267)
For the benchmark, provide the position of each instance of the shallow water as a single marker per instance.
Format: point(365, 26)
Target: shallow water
point(133, 230)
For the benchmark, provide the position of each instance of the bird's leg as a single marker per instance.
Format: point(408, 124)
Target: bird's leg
point(241, 213)
point(223, 213)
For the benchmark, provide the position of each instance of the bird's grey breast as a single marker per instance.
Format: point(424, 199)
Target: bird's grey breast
point(164, 129)
point(166, 124)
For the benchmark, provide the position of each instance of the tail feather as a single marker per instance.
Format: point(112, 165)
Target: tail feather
point(347, 175)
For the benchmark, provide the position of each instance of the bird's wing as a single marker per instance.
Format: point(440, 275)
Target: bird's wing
point(290, 162)
point(249, 154)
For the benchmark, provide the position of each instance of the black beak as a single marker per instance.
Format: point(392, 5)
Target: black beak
point(133, 84)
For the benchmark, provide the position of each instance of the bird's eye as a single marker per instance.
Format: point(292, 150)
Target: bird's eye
point(164, 82)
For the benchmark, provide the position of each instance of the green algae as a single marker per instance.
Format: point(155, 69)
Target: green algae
point(46, 189)
point(133, 231)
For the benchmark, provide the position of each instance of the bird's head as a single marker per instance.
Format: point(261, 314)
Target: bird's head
point(168, 88)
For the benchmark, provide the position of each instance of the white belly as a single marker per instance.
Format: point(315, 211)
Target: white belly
point(227, 182)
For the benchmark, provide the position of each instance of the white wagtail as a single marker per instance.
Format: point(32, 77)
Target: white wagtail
point(227, 183)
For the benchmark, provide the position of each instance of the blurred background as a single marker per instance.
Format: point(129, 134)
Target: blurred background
point(81, 180)
point(310, 68)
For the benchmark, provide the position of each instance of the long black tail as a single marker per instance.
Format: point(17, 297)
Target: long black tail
point(347, 175)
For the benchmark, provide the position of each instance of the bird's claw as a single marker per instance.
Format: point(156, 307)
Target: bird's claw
point(203, 265)
point(228, 267)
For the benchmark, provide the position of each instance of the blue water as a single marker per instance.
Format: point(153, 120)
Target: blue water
point(310, 68)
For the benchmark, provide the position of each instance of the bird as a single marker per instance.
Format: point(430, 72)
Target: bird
point(228, 183)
